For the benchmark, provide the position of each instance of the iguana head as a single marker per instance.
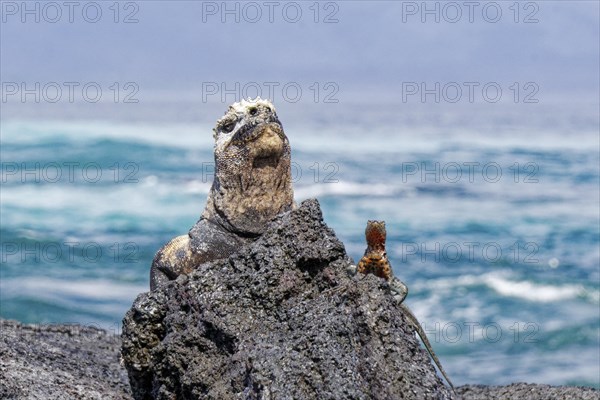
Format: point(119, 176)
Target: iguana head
point(250, 121)
point(252, 168)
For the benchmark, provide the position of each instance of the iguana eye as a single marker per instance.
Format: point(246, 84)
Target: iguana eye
point(253, 111)
point(384, 254)
point(228, 127)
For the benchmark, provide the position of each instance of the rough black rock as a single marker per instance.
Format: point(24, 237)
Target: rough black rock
point(279, 319)
point(527, 391)
point(60, 362)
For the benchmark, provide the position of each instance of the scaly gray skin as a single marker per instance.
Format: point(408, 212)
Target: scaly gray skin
point(375, 261)
point(252, 185)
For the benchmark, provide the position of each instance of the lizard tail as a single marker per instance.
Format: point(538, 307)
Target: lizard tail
point(415, 323)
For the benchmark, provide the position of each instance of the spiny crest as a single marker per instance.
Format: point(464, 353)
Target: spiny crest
point(240, 107)
point(375, 234)
point(243, 105)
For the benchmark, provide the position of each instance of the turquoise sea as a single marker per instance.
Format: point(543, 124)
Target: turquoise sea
point(495, 232)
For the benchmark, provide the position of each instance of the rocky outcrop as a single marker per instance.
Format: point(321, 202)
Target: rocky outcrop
point(279, 319)
point(60, 362)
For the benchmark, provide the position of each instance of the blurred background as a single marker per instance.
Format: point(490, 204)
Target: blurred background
point(471, 128)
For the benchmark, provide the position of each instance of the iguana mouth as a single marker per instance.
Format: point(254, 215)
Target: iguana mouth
point(264, 141)
point(251, 131)
point(267, 145)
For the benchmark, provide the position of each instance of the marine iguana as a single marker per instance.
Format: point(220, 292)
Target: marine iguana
point(252, 185)
point(375, 262)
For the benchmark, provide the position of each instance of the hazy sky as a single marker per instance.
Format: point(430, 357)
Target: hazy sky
point(181, 50)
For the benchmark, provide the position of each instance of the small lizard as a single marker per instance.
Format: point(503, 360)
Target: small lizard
point(375, 262)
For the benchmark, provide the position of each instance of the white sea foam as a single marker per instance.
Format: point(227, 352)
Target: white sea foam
point(431, 138)
point(506, 284)
point(344, 188)
point(188, 135)
point(96, 289)
point(531, 291)
point(197, 186)
point(142, 200)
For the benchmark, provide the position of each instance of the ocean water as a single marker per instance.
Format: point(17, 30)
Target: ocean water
point(496, 233)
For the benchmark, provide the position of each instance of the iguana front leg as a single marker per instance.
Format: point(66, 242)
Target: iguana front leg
point(205, 242)
point(375, 262)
